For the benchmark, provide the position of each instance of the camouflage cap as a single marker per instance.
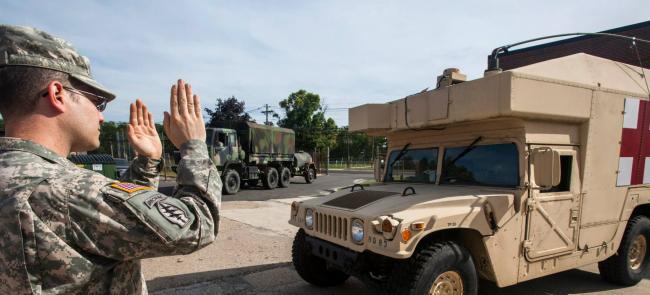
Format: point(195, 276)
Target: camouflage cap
point(25, 46)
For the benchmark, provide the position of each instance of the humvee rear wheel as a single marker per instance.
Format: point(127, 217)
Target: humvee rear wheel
point(270, 179)
point(436, 269)
point(231, 182)
point(630, 264)
point(285, 177)
point(311, 268)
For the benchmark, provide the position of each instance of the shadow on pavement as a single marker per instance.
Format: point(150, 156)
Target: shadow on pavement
point(574, 281)
point(168, 282)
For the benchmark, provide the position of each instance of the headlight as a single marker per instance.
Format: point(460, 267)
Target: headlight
point(309, 218)
point(357, 231)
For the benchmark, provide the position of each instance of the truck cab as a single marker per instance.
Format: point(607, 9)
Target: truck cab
point(510, 177)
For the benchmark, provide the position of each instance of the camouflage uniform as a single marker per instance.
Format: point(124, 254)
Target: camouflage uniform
point(68, 230)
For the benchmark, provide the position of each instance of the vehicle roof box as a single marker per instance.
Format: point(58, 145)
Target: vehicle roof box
point(559, 89)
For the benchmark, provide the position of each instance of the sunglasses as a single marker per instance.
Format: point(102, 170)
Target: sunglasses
point(99, 101)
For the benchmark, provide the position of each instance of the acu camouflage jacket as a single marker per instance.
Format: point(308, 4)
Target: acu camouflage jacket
point(68, 230)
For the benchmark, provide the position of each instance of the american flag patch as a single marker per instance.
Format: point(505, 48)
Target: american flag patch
point(129, 187)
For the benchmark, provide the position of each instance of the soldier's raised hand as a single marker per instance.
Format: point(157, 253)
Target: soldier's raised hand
point(184, 121)
point(142, 133)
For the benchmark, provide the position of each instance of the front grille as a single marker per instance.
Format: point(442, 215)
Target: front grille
point(330, 225)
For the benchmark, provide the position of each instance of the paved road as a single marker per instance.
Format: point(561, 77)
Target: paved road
point(297, 187)
point(252, 254)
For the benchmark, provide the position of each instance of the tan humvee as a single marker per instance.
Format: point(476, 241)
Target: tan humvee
point(510, 177)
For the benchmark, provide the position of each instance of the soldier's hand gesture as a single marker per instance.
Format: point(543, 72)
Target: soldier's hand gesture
point(141, 132)
point(184, 121)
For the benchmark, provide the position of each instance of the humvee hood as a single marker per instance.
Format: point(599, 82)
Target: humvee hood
point(386, 199)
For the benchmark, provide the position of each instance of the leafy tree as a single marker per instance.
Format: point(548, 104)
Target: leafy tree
point(229, 109)
point(361, 146)
point(305, 115)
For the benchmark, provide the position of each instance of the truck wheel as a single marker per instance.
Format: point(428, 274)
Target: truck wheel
point(311, 268)
point(285, 177)
point(436, 268)
point(270, 179)
point(231, 182)
point(310, 175)
point(631, 263)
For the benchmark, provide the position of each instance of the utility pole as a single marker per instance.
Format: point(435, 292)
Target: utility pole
point(267, 112)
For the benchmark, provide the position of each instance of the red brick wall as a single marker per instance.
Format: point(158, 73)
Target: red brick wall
point(607, 47)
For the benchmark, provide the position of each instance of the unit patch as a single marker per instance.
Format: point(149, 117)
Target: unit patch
point(172, 213)
point(153, 200)
point(130, 187)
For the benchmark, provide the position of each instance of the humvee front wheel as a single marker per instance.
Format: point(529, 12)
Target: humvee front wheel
point(231, 182)
point(631, 263)
point(436, 268)
point(311, 268)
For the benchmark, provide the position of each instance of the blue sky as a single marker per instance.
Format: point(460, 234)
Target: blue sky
point(349, 52)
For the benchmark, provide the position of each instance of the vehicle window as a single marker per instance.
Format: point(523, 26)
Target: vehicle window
point(493, 165)
point(416, 165)
point(566, 162)
point(231, 139)
point(221, 137)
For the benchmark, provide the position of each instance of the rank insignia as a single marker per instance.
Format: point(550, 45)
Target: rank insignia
point(130, 187)
point(173, 213)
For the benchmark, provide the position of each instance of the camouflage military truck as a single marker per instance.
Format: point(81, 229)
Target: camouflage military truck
point(510, 177)
point(245, 152)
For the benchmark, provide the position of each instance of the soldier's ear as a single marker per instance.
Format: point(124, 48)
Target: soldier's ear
point(54, 96)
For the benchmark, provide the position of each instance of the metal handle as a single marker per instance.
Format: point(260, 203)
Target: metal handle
point(412, 191)
point(357, 185)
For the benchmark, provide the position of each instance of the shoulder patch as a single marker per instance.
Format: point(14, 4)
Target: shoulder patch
point(130, 187)
point(172, 213)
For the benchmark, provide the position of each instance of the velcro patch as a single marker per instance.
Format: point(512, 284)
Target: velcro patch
point(130, 187)
point(173, 213)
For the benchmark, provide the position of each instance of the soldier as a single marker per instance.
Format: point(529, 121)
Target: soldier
point(67, 230)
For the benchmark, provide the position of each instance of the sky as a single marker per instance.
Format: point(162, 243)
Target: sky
point(348, 52)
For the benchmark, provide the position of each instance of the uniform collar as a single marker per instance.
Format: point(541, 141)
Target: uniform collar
point(19, 144)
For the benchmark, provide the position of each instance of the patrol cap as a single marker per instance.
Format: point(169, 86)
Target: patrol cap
point(26, 46)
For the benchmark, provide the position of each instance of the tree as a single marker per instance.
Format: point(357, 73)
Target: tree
point(229, 109)
point(305, 115)
point(359, 145)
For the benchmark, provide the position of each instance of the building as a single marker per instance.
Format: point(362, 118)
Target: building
point(603, 46)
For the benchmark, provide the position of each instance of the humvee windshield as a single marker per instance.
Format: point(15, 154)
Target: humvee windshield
point(416, 165)
point(493, 165)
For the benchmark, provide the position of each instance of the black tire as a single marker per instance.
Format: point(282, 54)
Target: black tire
point(310, 175)
point(416, 275)
point(618, 269)
point(285, 177)
point(270, 178)
point(231, 182)
point(311, 268)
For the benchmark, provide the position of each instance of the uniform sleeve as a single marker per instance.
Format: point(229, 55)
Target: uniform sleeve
point(143, 171)
point(126, 221)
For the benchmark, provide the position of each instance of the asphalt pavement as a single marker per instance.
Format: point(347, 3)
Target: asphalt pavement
point(252, 253)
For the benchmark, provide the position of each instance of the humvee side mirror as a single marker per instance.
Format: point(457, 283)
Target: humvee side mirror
point(379, 169)
point(547, 167)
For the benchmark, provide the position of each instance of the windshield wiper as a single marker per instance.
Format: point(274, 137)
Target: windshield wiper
point(401, 153)
point(468, 149)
